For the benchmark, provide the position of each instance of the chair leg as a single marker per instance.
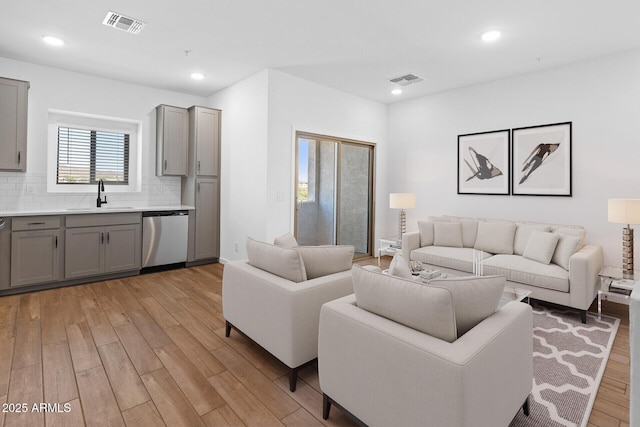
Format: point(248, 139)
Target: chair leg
point(293, 379)
point(227, 331)
point(326, 406)
point(525, 407)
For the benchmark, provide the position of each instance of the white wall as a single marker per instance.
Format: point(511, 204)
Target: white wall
point(259, 119)
point(53, 88)
point(602, 99)
point(243, 173)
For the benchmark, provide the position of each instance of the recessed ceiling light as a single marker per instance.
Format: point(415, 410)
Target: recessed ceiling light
point(52, 41)
point(197, 76)
point(396, 91)
point(491, 36)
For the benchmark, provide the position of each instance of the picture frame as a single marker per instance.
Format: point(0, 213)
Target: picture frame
point(483, 163)
point(541, 160)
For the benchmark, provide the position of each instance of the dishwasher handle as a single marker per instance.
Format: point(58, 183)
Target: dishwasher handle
point(164, 213)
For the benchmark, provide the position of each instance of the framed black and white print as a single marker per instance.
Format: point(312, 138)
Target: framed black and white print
point(483, 163)
point(542, 160)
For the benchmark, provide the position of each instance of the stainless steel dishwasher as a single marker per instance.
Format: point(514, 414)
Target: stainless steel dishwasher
point(164, 237)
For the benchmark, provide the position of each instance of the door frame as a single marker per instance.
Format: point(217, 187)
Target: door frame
point(339, 141)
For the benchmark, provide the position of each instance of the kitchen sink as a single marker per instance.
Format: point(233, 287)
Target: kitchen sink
point(112, 208)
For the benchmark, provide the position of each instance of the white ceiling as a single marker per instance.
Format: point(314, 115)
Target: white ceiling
point(351, 45)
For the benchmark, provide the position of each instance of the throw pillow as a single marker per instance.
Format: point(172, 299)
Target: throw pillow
point(469, 232)
point(399, 267)
point(581, 233)
point(283, 262)
point(541, 246)
point(567, 246)
point(286, 241)
point(427, 309)
point(523, 231)
point(495, 237)
point(474, 298)
point(324, 260)
point(447, 234)
point(426, 233)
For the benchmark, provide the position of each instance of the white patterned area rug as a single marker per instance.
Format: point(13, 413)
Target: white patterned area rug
point(569, 358)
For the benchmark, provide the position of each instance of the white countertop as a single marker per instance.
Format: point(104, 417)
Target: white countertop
point(94, 210)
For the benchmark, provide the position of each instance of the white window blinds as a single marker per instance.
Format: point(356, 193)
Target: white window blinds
point(86, 156)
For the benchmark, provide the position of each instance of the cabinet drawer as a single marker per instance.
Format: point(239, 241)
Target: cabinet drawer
point(94, 220)
point(35, 223)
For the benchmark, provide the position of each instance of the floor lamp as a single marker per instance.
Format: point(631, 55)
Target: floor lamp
point(625, 211)
point(402, 201)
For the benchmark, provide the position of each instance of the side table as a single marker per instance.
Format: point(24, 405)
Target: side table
point(608, 293)
point(388, 246)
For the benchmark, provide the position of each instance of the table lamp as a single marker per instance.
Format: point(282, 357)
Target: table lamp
point(402, 201)
point(625, 211)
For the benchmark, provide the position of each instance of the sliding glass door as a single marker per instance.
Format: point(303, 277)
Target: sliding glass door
point(334, 192)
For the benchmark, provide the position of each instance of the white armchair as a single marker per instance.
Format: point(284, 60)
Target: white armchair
point(279, 314)
point(383, 373)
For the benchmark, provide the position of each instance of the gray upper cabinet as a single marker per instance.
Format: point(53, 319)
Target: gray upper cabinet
point(172, 139)
point(13, 124)
point(205, 140)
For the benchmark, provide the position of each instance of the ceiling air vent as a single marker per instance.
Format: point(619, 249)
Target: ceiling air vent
point(124, 23)
point(406, 80)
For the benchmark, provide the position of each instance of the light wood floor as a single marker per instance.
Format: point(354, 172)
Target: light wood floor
point(150, 350)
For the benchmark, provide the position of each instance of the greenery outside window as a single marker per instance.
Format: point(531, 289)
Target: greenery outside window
point(85, 156)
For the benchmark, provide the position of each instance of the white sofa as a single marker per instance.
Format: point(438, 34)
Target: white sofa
point(565, 274)
point(382, 372)
point(274, 298)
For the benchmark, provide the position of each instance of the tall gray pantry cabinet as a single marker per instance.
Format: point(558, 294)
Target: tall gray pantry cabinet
point(201, 186)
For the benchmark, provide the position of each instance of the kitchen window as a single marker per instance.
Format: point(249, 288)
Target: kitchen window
point(85, 148)
point(86, 156)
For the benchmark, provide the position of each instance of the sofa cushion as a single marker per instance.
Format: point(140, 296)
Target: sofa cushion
point(567, 246)
point(474, 298)
point(455, 258)
point(522, 270)
point(523, 231)
point(447, 234)
point(283, 262)
point(324, 260)
point(496, 237)
point(428, 309)
point(399, 267)
point(426, 232)
point(541, 246)
point(286, 241)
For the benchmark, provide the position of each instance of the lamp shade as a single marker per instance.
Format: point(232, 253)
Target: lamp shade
point(624, 211)
point(402, 200)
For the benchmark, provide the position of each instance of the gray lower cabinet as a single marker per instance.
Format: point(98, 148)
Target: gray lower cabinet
point(35, 257)
point(35, 250)
point(207, 225)
point(92, 250)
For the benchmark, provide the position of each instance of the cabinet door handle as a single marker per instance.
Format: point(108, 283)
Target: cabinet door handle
point(165, 165)
point(108, 237)
point(101, 238)
point(36, 223)
point(18, 157)
point(198, 187)
point(198, 165)
point(56, 242)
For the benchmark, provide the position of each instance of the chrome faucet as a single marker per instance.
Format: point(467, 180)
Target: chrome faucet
point(101, 202)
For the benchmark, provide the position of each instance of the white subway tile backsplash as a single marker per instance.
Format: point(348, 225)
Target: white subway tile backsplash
point(13, 188)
